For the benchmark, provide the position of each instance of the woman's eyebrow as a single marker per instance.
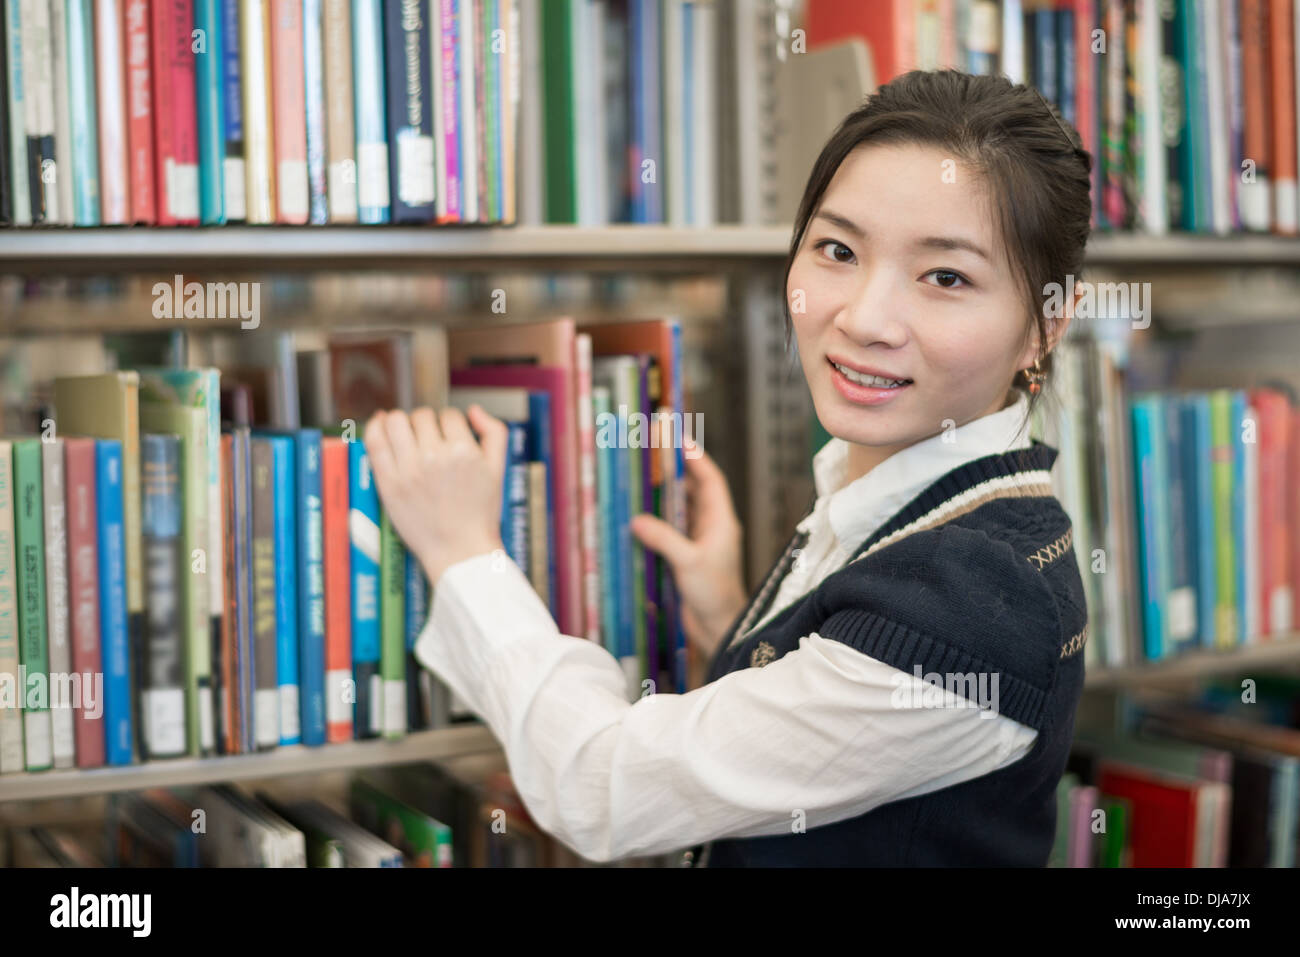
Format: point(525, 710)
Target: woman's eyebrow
point(953, 242)
point(841, 221)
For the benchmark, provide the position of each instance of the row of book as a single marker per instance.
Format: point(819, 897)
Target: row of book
point(1186, 787)
point(190, 570)
point(408, 816)
point(179, 112)
point(1188, 107)
point(1185, 507)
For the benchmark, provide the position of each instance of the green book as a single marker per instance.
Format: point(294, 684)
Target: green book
point(423, 840)
point(1114, 841)
point(1225, 555)
point(11, 691)
point(33, 649)
point(560, 199)
point(191, 425)
point(392, 627)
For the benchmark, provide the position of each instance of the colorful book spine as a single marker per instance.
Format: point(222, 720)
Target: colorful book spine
point(210, 89)
point(339, 688)
point(540, 450)
point(266, 701)
point(84, 115)
point(370, 110)
point(243, 663)
point(587, 485)
point(284, 480)
point(11, 717)
point(83, 596)
point(56, 601)
point(33, 650)
point(19, 189)
point(410, 114)
point(392, 625)
point(416, 608)
point(313, 60)
point(311, 588)
point(1240, 416)
point(176, 151)
point(514, 516)
point(234, 177)
point(446, 68)
point(288, 98)
point(340, 126)
point(62, 112)
point(1222, 427)
point(139, 127)
point(468, 36)
point(38, 103)
point(364, 555)
point(110, 89)
point(161, 681)
point(118, 724)
point(255, 90)
point(605, 525)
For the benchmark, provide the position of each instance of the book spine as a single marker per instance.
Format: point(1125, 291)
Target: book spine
point(392, 617)
point(1240, 532)
point(233, 177)
point(33, 650)
point(11, 718)
point(364, 553)
point(287, 85)
point(410, 119)
point(38, 107)
point(1222, 454)
point(139, 129)
point(514, 533)
point(448, 66)
point(311, 588)
point(490, 161)
point(175, 125)
point(1203, 505)
point(56, 601)
point(587, 483)
point(83, 596)
point(244, 663)
point(114, 154)
point(62, 112)
point(109, 487)
point(368, 90)
point(539, 542)
point(286, 590)
point(647, 391)
point(210, 88)
point(83, 112)
point(1282, 63)
point(20, 197)
point(313, 59)
point(340, 127)
point(416, 609)
point(467, 88)
point(677, 501)
point(198, 589)
point(605, 523)
point(161, 685)
point(339, 694)
point(255, 90)
point(223, 652)
point(266, 703)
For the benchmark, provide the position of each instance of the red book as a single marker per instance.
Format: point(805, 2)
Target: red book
point(1163, 829)
point(1281, 50)
point(176, 138)
point(887, 26)
point(1257, 126)
point(1292, 485)
point(139, 113)
point(1275, 597)
point(338, 584)
point(288, 83)
point(83, 591)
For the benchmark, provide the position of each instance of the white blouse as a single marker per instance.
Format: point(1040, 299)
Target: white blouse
point(811, 738)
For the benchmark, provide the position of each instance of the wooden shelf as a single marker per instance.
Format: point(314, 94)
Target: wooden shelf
point(623, 246)
point(1199, 664)
point(295, 759)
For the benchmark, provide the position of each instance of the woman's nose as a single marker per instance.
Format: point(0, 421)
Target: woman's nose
point(875, 310)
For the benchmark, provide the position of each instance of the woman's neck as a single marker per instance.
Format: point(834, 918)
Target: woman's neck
point(863, 458)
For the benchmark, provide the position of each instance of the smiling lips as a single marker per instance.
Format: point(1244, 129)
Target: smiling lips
point(865, 387)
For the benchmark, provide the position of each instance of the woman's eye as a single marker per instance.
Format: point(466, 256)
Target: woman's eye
point(947, 279)
point(837, 245)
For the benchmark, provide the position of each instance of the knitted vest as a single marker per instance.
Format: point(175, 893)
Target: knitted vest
point(975, 580)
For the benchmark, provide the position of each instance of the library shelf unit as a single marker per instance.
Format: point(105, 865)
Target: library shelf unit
point(416, 746)
point(1269, 652)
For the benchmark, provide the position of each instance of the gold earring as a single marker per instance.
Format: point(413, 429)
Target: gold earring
point(1035, 378)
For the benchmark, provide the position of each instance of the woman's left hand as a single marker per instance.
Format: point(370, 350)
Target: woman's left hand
point(440, 487)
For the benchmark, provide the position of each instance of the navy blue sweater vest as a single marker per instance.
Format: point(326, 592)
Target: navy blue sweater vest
point(974, 580)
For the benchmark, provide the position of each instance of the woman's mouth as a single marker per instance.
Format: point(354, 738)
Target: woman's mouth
point(864, 389)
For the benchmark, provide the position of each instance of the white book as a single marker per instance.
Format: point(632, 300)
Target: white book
point(19, 188)
point(11, 692)
point(1154, 202)
point(676, 169)
point(38, 103)
point(62, 109)
point(1216, 66)
point(703, 209)
point(110, 97)
point(56, 600)
point(468, 36)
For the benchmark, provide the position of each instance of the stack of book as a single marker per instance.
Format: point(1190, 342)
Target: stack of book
point(186, 568)
point(1185, 506)
point(1188, 108)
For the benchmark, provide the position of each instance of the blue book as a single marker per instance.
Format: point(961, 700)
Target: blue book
point(118, 702)
point(1045, 55)
point(81, 106)
point(313, 58)
point(417, 610)
point(363, 528)
point(672, 601)
point(232, 113)
point(1239, 405)
point(410, 111)
point(1180, 601)
point(1200, 511)
point(209, 95)
point(284, 481)
point(514, 529)
point(311, 587)
point(1065, 60)
point(368, 95)
point(539, 449)
point(1145, 411)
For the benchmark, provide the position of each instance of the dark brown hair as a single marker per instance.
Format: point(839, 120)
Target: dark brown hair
point(1033, 161)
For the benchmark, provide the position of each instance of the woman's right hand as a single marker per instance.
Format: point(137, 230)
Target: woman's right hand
point(705, 565)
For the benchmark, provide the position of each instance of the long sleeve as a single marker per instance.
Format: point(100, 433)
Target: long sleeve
point(817, 731)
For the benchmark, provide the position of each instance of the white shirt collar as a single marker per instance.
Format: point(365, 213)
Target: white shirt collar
point(862, 506)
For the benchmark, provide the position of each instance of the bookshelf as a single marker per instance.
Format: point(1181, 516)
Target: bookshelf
point(1271, 652)
point(290, 760)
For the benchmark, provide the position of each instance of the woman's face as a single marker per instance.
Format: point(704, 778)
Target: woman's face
point(901, 274)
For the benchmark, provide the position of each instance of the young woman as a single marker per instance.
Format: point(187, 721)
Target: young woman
point(901, 690)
